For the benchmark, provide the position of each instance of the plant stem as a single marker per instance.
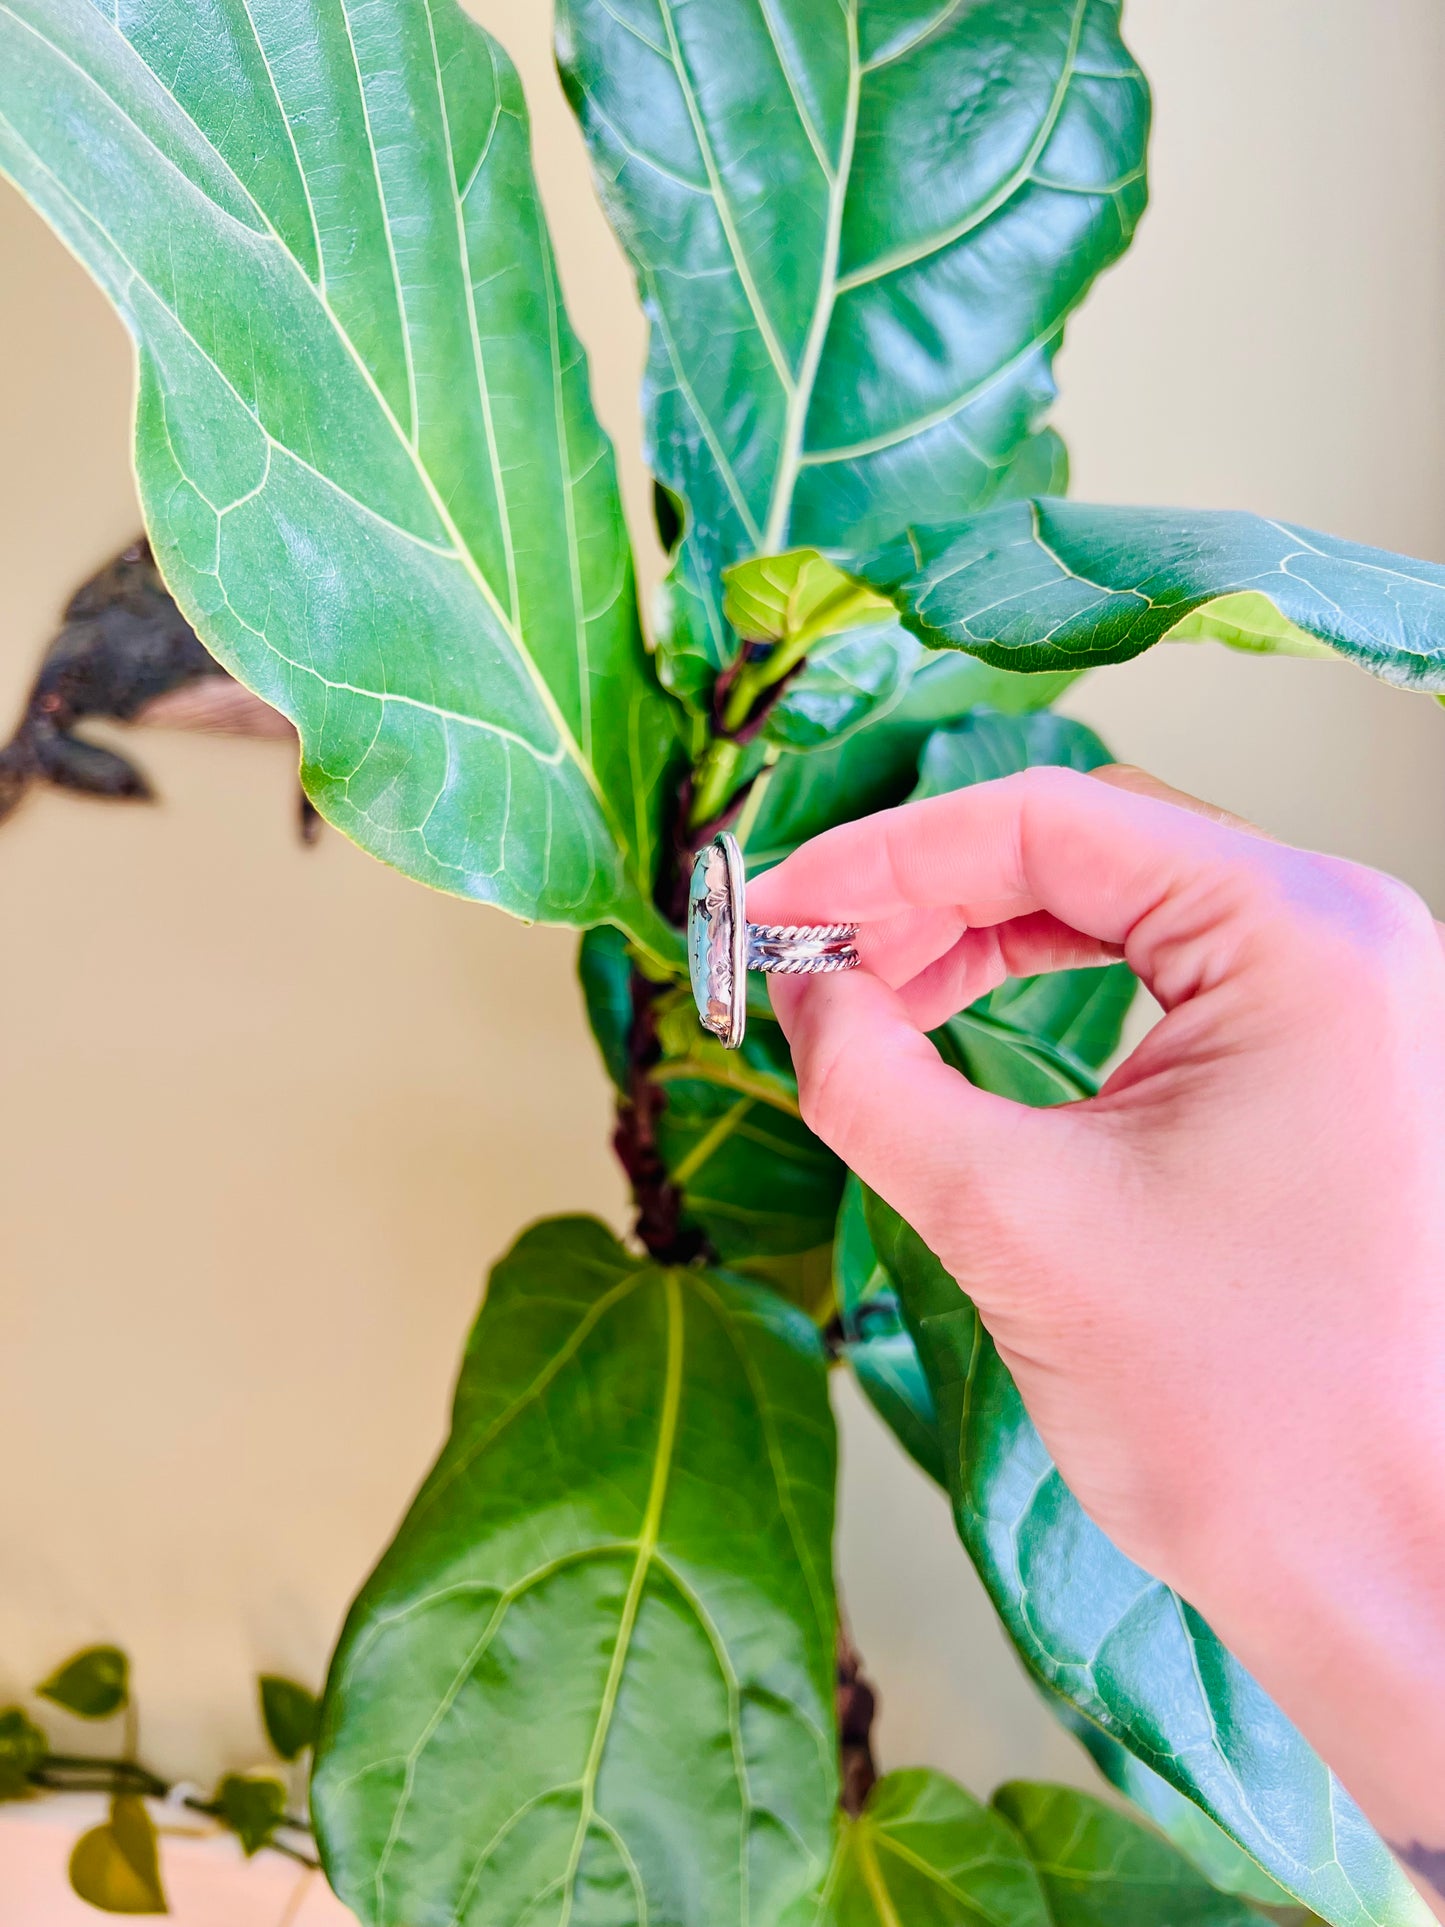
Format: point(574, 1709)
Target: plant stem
point(292, 1825)
point(716, 774)
point(82, 1773)
point(77, 1773)
point(857, 1704)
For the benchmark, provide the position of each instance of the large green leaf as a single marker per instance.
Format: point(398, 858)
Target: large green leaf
point(1196, 1836)
point(876, 766)
point(754, 1179)
point(986, 744)
point(858, 230)
point(923, 1853)
point(367, 455)
point(604, 970)
point(1021, 1062)
point(876, 1342)
point(1081, 1012)
point(1098, 1868)
point(848, 681)
point(1128, 1653)
point(1061, 585)
point(592, 1679)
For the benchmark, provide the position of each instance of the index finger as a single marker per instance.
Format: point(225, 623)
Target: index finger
point(1098, 857)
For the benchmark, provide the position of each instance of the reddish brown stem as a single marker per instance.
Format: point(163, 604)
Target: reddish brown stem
point(857, 1706)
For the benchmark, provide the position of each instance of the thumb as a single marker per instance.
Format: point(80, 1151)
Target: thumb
point(870, 1084)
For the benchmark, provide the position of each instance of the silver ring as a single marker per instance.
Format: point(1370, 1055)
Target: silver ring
point(722, 946)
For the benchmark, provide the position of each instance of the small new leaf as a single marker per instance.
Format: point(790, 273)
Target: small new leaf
point(116, 1866)
point(289, 1714)
point(94, 1684)
point(22, 1748)
point(797, 599)
point(252, 1806)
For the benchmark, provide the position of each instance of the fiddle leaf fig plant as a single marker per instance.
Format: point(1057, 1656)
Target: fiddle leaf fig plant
point(598, 1677)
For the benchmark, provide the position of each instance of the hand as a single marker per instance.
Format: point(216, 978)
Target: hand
point(1220, 1284)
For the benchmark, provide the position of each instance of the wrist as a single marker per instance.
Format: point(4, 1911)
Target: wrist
point(1341, 1618)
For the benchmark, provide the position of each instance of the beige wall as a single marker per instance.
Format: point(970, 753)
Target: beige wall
point(268, 1113)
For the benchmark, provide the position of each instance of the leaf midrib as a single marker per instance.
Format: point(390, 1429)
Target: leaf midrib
point(648, 1539)
point(800, 401)
point(904, 257)
point(792, 459)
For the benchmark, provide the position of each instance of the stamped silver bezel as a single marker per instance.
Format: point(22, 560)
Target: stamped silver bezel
point(721, 939)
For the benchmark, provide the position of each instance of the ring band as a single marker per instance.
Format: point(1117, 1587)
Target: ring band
point(784, 948)
point(723, 946)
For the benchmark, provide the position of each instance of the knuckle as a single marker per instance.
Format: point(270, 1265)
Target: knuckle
point(1377, 912)
point(1050, 783)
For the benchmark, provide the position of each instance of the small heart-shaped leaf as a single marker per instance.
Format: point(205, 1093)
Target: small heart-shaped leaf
point(252, 1806)
point(289, 1714)
point(116, 1867)
point(94, 1684)
point(22, 1748)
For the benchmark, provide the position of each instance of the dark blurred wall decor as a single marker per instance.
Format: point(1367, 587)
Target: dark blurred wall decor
point(125, 653)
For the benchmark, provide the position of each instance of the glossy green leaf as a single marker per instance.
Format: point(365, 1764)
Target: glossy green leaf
point(923, 1853)
point(367, 456)
point(1249, 621)
point(1081, 1012)
point(1099, 1868)
point(1206, 1845)
point(877, 766)
point(847, 681)
point(1012, 1063)
point(604, 969)
point(797, 599)
point(116, 1866)
point(876, 1342)
point(858, 231)
point(1055, 585)
point(1133, 1657)
point(1041, 1040)
point(253, 1806)
point(985, 745)
point(592, 1678)
point(754, 1179)
point(22, 1747)
point(289, 1713)
point(94, 1683)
